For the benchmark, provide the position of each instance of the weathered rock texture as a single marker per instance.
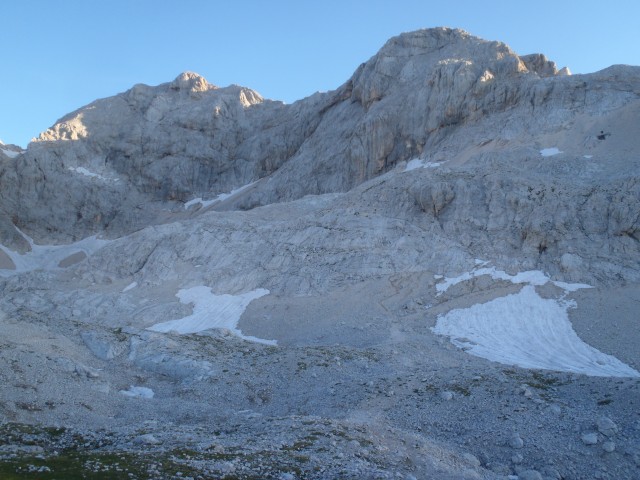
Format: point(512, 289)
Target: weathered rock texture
point(442, 152)
point(433, 93)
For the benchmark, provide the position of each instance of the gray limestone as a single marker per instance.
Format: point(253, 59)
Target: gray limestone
point(606, 426)
point(590, 438)
point(442, 152)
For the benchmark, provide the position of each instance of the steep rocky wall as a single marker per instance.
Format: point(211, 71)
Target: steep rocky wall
point(119, 163)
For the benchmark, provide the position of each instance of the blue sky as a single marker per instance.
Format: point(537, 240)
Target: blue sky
point(58, 56)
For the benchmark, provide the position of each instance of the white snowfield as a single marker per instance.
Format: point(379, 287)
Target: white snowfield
point(137, 392)
point(219, 198)
point(131, 286)
point(419, 163)
point(524, 329)
point(10, 153)
point(89, 173)
point(549, 152)
point(529, 331)
point(49, 257)
point(532, 277)
point(212, 311)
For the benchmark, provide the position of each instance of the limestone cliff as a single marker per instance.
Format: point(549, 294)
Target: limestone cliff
point(118, 162)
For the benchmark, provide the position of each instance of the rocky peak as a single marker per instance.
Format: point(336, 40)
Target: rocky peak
point(191, 82)
point(426, 40)
point(424, 58)
point(538, 63)
point(442, 58)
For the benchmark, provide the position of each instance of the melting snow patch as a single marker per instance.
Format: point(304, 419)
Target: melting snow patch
point(549, 152)
point(138, 392)
point(130, 286)
point(10, 153)
point(526, 330)
point(50, 257)
point(419, 163)
point(212, 311)
point(89, 173)
point(532, 277)
point(219, 198)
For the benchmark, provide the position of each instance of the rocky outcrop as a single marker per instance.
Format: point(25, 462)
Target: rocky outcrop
point(161, 146)
point(441, 95)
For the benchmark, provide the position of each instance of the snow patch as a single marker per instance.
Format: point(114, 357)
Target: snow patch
point(137, 392)
point(212, 311)
point(9, 153)
point(219, 198)
point(529, 331)
point(570, 287)
point(49, 257)
point(532, 277)
point(549, 152)
point(419, 163)
point(89, 173)
point(130, 286)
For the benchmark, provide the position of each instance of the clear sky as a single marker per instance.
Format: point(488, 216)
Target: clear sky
point(57, 56)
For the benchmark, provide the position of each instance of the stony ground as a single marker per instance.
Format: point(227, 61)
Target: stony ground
point(384, 399)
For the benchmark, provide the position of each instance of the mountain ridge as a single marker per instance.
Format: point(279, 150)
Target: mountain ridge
point(364, 160)
point(430, 272)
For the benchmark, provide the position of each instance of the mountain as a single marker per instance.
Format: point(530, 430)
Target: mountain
point(430, 272)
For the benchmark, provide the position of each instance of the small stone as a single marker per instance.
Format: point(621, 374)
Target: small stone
point(147, 439)
point(515, 441)
point(608, 446)
point(517, 458)
point(530, 475)
point(606, 426)
point(500, 469)
point(555, 409)
point(446, 395)
point(471, 459)
point(227, 467)
point(551, 474)
point(590, 438)
point(525, 390)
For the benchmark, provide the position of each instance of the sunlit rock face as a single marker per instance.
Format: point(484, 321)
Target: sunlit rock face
point(407, 277)
point(418, 97)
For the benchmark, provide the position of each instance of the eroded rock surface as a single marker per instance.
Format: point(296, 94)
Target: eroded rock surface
point(446, 173)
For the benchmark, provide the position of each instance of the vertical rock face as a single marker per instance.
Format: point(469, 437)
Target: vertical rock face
point(437, 94)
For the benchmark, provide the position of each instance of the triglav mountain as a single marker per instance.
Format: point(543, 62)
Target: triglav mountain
point(432, 271)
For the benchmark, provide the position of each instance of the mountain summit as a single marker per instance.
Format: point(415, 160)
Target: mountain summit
point(429, 272)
